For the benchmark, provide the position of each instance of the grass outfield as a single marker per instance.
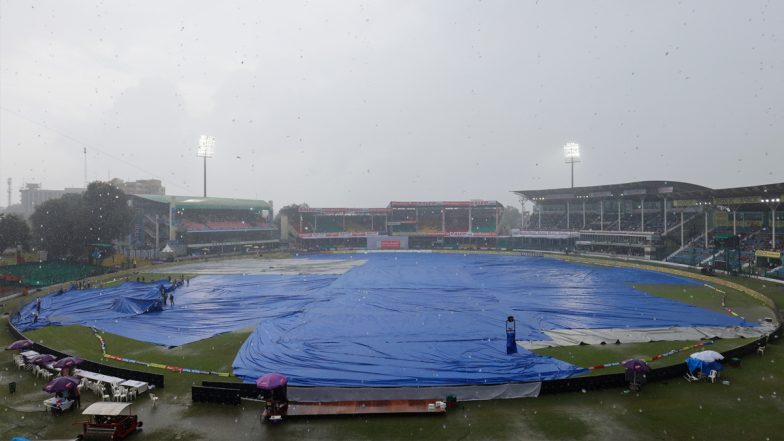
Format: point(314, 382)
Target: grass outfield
point(213, 354)
point(749, 408)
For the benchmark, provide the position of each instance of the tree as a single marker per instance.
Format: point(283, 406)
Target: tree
point(58, 227)
point(66, 227)
point(290, 211)
point(107, 214)
point(14, 232)
point(511, 218)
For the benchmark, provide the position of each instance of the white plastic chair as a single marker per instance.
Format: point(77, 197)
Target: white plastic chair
point(761, 351)
point(712, 375)
point(691, 378)
point(154, 399)
point(105, 396)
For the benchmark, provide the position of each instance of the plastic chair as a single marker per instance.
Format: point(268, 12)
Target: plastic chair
point(154, 399)
point(712, 375)
point(691, 378)
point(761, 351)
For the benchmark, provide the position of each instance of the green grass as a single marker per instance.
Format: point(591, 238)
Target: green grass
point(214, 354)
point(586, 356)
point(704, 297)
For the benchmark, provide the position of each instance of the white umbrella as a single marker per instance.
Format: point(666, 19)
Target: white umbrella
point(707, 356)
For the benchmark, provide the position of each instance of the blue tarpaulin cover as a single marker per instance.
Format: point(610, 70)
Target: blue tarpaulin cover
point(134, 305)
point(211, 305)
point(399, 319)
point(439, 319)
point(704, 366)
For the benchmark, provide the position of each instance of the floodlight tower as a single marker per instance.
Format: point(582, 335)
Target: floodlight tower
point(206, 150)
point(572, 155)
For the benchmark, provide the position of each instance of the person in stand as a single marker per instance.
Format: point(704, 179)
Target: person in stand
point(35, 316)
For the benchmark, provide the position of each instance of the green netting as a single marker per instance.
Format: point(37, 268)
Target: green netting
point(47, 273)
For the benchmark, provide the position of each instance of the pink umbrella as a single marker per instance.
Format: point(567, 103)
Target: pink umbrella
point(271, 381)
point(19, 344)
point(67, 362)
point(61, 384)
point(43, 359)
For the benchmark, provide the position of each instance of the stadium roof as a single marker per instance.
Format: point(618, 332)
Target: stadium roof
point(338, 211)
point(200, 203)
point(471, 203)
point(640, 188)
point(669, 189)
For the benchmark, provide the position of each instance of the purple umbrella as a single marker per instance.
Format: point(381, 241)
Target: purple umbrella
point(67, 362)
point(43, 359)
point(635, 364)
point(19, 344)
point(61, 384)
point(271, 381)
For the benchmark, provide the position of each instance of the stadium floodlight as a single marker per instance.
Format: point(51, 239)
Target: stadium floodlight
point(206, 150)
point(572, 155)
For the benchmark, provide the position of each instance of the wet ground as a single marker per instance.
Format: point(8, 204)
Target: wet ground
point(264, 266)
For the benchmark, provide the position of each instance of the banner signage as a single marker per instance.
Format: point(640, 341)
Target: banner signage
point(635, 192)
point(684, 202)
point(340, 235)
point(344, 210)
point(738, 200)
point(469, 234)
point(476, 203)
point(768, 254)
point(390, 244)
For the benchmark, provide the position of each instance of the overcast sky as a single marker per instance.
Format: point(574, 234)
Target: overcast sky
point(358, 103)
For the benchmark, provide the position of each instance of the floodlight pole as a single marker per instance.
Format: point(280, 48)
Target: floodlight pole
point(572, 162)
point(773, 220)
point(572, 155)
point(205, 150)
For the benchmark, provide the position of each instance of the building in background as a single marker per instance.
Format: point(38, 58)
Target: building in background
point(33, 195)
point(141, 186)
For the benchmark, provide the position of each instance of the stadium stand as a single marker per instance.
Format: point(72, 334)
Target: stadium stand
point(201, 225)
point(669, 220)
point(424, 225)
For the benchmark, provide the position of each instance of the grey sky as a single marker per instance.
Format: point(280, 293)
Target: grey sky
point(358, 103)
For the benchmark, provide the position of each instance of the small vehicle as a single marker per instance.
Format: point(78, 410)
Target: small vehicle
point(109, 422)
